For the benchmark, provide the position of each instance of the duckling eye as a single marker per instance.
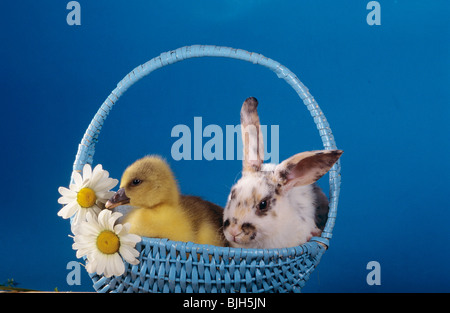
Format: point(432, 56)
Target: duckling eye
point(136, 182)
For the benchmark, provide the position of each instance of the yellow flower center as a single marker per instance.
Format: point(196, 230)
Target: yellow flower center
point(108, 242)
point(86, 197)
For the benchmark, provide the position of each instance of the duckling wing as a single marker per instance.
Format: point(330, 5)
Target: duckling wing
point(203, 213)
point(202, 210)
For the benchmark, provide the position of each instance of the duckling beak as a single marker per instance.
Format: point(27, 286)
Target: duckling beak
point(119, 198)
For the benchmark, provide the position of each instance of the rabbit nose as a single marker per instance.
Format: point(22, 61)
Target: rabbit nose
point(234, 232)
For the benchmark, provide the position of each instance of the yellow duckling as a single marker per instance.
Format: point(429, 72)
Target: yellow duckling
point(159, 210)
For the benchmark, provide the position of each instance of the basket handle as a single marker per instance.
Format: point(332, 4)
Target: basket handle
point(86, 148)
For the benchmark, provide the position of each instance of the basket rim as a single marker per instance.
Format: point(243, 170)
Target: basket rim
point(206, 249)
point(86, 148)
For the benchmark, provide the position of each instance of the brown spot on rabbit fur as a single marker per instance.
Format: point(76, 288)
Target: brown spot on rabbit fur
point(247, 228)
point(233, 194)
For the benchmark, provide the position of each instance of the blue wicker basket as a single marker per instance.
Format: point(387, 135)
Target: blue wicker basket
point(171, 266)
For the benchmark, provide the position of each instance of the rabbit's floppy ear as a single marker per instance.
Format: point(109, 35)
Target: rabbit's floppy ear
point(305, 168)
point(252, 137)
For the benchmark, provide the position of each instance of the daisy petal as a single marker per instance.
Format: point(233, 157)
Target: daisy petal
point(64, 200)
point(114, 217)
point(67, 192)
point(68, 210)
point(77, 179)
point(103, 218)
point(97, 175)
point(117, 267)
point(106, 184)
point(129, 254)
point(101, 263)
point(79, 216)
point(87, 172)
point(118, 228)
point(104, 196)
point(130, 238)
point(91, 266)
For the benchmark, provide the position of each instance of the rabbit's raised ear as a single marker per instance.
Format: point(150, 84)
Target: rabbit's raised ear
point(252, 137)
point(305, 168)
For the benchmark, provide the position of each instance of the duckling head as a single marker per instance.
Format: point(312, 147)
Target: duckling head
point(146, 183)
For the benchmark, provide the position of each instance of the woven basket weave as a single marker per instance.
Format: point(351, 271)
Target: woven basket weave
point(172, 266)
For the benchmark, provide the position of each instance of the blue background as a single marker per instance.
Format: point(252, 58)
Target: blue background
point(384, 90)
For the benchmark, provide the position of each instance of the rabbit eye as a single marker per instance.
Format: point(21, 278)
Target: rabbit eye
point(136, 182)
point(262, 205)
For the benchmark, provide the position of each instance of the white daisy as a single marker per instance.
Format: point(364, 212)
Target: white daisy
point(86, 193)
point(104, 244)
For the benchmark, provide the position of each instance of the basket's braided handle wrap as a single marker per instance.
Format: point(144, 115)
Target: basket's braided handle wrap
point(86, 148)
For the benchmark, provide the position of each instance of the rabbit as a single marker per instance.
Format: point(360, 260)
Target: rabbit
point(275, 206)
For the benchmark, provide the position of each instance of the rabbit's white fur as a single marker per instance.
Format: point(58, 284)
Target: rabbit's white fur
point(275, 206)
